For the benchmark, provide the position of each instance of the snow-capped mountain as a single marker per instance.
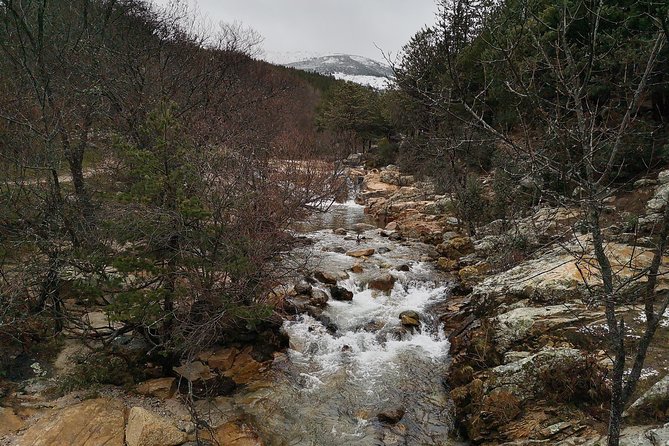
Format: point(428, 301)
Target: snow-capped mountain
point(357, 69)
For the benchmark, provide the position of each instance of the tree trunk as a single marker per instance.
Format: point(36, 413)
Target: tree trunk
point(617, 393)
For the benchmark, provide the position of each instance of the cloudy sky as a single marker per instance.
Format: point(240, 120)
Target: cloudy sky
point(324, 26)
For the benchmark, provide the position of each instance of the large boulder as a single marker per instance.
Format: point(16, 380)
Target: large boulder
point(90, 423)
point(326, 277)
point(145, 428)
point(383, 282)
point(456, 247)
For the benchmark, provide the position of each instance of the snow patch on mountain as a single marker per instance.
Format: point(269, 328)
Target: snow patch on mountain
point(358, 69)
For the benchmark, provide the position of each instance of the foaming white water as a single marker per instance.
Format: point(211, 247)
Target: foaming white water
point(372, 306)
point(356, 360)
point(370, 342)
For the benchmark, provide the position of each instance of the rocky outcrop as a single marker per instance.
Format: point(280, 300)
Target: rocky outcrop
point(145, 428)
point(98, 422)
point(162, 388)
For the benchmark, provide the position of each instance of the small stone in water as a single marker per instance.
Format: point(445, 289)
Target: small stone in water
point(410, 318)
point(340, 293)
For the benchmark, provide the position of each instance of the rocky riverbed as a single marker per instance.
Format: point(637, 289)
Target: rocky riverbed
point(401, 330)
point(528, 362)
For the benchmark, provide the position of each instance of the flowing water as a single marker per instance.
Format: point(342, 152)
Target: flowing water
point(331, 384)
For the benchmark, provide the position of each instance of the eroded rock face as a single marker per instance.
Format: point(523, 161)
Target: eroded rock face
point(556, 275)
point(98, 422)
point(145, 428)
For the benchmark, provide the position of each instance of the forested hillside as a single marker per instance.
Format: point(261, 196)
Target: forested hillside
point(140, 174)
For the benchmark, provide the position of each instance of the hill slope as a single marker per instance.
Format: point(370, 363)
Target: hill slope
point(357, 69)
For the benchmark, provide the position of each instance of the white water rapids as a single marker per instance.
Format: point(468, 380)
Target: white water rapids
point(330, 386)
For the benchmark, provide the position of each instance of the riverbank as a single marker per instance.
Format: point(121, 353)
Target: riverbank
point(364, 366)
point(528, 362)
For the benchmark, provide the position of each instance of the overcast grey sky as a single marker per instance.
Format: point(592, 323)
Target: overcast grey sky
point(325, 26)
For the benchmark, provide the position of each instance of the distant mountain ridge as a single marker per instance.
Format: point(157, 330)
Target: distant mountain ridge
point(357, 69)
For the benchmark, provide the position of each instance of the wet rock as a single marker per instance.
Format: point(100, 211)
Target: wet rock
point(303, 288)
point(328, 323)
point(339, 231)
point(383, 250)
point(396, 237)
point(312, 304)
point(357, 268)
point(362, 227)
point(90, 423)
point(404, 267)
point(9, 422)
point(361, 252)
point(325, 277)
point(391, 416)
point(341, 293)
point(384, 282)
point(145, 428)
point(319, 298)
point(163, 388)
point(410, 318)
point(653, 403)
